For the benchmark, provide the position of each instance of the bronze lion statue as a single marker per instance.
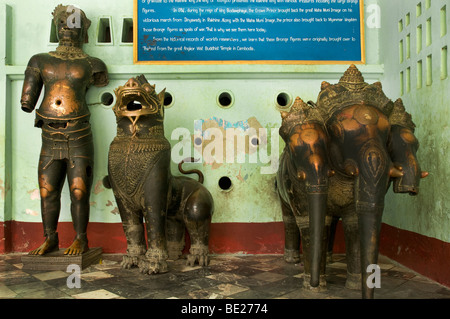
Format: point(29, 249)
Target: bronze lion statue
point(156, 208)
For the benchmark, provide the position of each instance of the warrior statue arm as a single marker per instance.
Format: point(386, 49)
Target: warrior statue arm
point(32, 86)
point(99, 72)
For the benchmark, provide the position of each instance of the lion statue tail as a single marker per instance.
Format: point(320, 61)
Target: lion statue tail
point(192, 171)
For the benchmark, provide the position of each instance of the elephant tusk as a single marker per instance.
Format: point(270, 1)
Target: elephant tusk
point(395, 172)
point(424, 174)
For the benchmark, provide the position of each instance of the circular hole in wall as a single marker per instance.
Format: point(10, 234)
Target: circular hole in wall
point(225, 183)
point(254, 141)
point(198, 141)
point(168, 100)
point(225, 99)
point(283, 100)
point(107, 99)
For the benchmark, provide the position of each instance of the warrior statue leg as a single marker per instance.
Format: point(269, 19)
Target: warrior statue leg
point(51, 180)
point(80, 176)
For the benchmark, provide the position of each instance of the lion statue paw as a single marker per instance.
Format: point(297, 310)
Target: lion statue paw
point(154, 262)
point(129, 261)
point(200, 254)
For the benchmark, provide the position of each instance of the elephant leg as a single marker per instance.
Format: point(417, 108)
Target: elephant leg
point(369, 227)
point(175, 234)
point(291, 235)
point(133, 228)
point(352, 248)
point(332, 235)
point(197, 218)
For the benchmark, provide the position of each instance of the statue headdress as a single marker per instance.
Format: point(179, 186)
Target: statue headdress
point(299, 113)
point(353, 79)
point(65, 9)
point(351, 89)
point(400, 117)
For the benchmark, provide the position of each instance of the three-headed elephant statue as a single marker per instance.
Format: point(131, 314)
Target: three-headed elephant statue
point(370, 143)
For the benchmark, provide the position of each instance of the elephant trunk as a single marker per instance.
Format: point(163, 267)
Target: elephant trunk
point(317, 212)
point(370, 190)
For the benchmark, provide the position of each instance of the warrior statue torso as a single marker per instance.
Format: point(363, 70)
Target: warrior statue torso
point(66, 82)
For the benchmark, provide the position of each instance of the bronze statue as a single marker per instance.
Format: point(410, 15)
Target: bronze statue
point(358, 126)
point(370, 144)
point(403, 146)
point(63, 116)
point(363, 125)
point(145, 190)
point(302, 183)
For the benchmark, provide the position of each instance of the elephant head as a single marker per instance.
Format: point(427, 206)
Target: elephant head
point(303, 179)
point(358, 126)
point(403, 146)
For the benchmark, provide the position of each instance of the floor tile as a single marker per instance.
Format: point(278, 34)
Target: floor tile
point(6, 292)
point(96, 294)
point(29, 287)
point(269, 276)
point(47, 293)
point(229, 289)
point(226, 277)
point(90, 276)
point(51, 275)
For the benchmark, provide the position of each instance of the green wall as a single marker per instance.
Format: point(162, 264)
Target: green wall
point(25, 31)
point(427, 98)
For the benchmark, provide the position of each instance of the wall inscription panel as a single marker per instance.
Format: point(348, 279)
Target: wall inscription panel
point(248, 31)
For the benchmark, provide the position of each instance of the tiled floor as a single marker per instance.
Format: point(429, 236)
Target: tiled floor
point(227, 277)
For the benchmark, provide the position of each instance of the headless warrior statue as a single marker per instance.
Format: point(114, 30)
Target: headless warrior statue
point(67, 144)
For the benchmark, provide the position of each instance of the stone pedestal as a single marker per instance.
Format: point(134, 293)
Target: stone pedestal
point(58, 261)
